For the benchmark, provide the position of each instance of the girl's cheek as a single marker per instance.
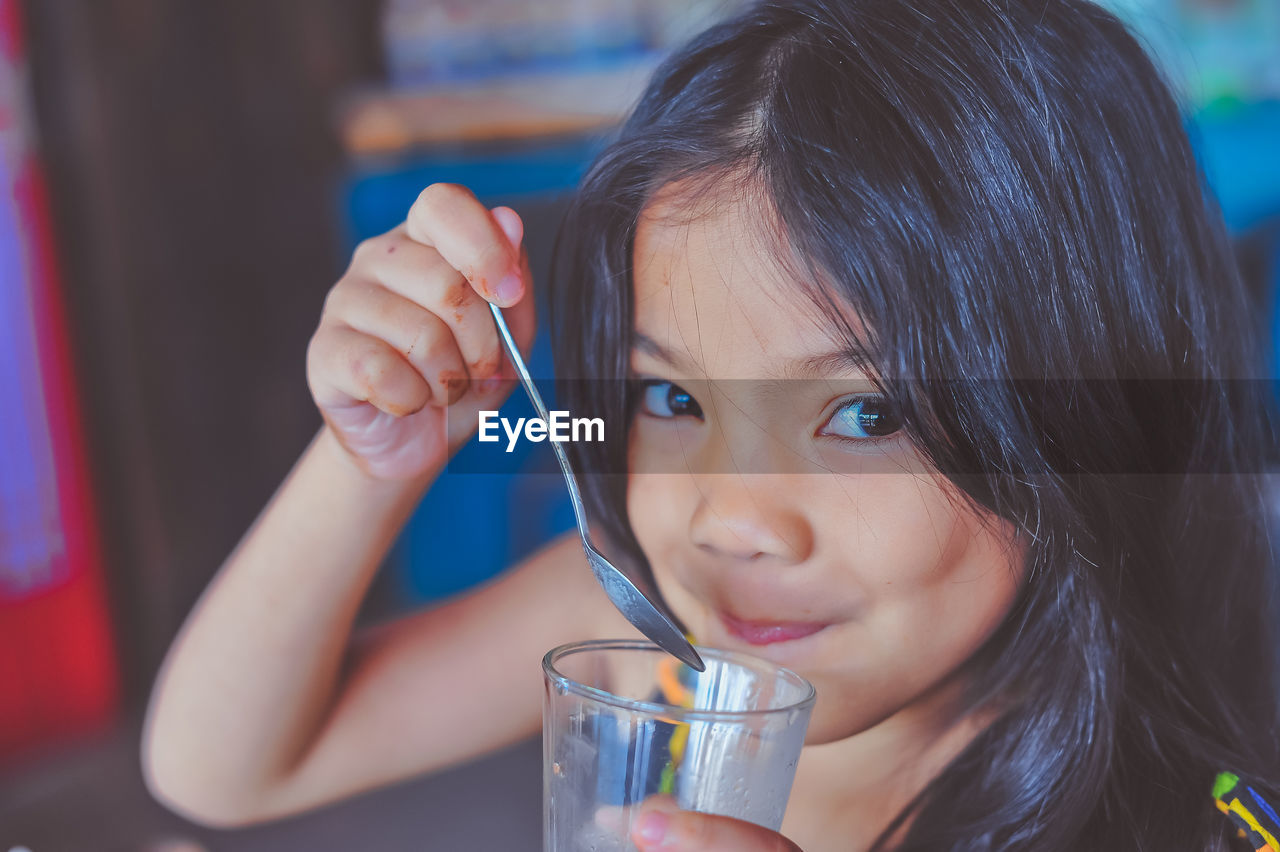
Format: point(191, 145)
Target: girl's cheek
point(664, 446)
point(654, 502)
point(890, 457)
point(896, 528)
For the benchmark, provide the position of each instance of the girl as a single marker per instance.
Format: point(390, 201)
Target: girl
point(921, 357)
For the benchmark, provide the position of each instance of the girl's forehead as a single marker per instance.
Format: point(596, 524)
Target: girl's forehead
point(710, 287)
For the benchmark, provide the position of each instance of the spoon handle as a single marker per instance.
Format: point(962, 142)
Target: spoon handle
point(531, 389)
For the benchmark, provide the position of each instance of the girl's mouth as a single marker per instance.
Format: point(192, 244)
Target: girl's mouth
point(769, 632)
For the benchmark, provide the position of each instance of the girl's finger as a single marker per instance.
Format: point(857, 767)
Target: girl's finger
point(511, 224)
point(520, 318)
point(419, 273)
point(659, 825)
point(424, 340)
point(346, 366)
point(450, 219)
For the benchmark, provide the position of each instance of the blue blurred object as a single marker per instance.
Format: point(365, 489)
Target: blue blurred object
point(380, 193)
point(471, 524)
point(432, 42)
point(1239, 148)
point(428, 43)
point(31, 535)
point(1238, 145)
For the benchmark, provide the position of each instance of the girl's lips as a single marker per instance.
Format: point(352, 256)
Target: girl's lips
point(769, 632)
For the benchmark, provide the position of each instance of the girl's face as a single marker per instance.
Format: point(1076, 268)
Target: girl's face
point(781, 510)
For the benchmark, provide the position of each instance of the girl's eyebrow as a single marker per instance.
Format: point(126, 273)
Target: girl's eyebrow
point(838, 362)
point(649, 346)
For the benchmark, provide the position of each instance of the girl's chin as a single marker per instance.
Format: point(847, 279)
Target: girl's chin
point(834, 725)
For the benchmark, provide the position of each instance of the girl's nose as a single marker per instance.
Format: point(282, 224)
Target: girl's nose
point(748, 518)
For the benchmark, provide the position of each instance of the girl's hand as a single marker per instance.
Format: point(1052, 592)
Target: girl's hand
point(659, 825)
point(406, 332)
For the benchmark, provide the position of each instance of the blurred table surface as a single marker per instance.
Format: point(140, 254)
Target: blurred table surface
point(91, 798)
point(514, 107)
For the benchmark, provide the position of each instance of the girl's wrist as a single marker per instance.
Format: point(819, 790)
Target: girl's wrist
point(353, 474)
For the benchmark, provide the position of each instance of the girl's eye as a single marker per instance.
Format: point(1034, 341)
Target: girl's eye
point(664, 399)
point(864, 418)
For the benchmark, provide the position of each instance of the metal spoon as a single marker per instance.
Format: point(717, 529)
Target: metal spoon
point(630, 601)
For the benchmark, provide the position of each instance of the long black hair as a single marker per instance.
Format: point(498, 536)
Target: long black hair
point(1003, 192)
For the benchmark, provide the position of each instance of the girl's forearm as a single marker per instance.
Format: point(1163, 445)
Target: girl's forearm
point(253, 673)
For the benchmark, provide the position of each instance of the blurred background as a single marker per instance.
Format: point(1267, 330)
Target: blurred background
point(182, 183)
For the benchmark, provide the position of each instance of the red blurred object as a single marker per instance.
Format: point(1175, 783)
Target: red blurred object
point(58, 669)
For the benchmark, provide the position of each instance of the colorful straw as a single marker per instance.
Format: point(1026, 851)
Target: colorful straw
point(675, 692)
point(1255, 818)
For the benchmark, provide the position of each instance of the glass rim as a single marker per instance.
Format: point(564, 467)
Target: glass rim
point(659, 708)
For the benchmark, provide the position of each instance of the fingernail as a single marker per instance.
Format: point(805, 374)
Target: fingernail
point(508, 289)
point(652, 827)
point(511, 225)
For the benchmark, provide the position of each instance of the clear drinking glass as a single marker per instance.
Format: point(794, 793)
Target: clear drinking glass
point(623, 720)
